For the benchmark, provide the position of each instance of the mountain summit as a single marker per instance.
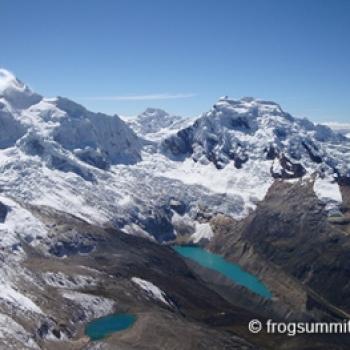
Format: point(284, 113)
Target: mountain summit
point(15, 92)
point(155, 123)
point(52, 127)
point(246, 130)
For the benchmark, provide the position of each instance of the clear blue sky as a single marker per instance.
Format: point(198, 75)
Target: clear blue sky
point(182, 55)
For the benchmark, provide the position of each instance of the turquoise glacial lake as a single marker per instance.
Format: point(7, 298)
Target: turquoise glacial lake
point(104, 326)
point(232, 271)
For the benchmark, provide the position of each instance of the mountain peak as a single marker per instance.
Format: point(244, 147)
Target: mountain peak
point(152, 112)
point(154, 123)
point(247, 101)
point(249, 129)
point(16, 92)
point(247, 107)
point(9, 81)
point(62, 132)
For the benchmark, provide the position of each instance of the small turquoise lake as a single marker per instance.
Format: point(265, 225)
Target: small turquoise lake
point(232, 271)
point(104, 326)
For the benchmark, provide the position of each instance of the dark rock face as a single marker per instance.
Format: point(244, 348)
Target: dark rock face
point(64, 248)
point(3, 212)
point(179, 145)
point(290, 228)
point(43, 330)
point(177, 206)
point(289, 170)
point(312, 151)
point(271, 153)
point(93, 158)
point(343, 180)
point(159, 224)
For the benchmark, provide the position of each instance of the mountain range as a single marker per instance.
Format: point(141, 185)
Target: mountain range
point(91, 202)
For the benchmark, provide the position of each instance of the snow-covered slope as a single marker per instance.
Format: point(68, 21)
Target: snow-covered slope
point(54, 152)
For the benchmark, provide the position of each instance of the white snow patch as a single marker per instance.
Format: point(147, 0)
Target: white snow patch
point(277, 167)
point(152, 290)
point(203, 231)
point(9, 294)
point(328, 191)
point(93, 305)
point(136, 230)
point(125, 201)
point(19, 223)
point(61, 280)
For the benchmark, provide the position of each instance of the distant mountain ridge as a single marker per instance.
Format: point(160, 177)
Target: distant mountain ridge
point(155, 123)
point(342, 128)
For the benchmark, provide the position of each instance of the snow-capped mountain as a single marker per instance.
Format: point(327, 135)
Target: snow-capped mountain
point(49, 127)
point(15, 92)
point(154, 123)
point(247, 130)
